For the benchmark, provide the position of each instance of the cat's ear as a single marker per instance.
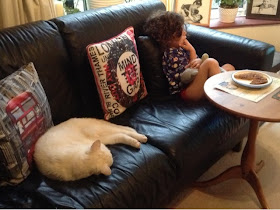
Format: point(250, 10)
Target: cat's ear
point(95, 146)
point(106, 170)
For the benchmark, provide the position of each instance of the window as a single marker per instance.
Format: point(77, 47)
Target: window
point(215, 11)
point(72, 6)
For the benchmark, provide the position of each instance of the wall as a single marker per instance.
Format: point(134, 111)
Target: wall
point(268, 33)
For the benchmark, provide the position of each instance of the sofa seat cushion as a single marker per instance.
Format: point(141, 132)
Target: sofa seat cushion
point(190, 134)
point(136, 175)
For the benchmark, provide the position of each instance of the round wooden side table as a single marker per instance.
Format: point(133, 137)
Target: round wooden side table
point(267, 109)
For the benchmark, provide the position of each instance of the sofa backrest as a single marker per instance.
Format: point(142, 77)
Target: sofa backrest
point(240, 51)
point(81, 29)
point(40, 42)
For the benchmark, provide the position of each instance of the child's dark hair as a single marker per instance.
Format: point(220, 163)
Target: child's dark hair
point(163, 26)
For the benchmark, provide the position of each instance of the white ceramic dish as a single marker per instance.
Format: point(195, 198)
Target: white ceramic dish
point(246, 83)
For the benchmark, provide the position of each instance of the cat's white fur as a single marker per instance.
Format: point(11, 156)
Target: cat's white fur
point(76, 148)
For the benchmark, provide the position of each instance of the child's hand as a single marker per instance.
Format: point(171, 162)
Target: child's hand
point(186, 45)
point(195, 63)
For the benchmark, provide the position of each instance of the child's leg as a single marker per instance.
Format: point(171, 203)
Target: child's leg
point(195, 91)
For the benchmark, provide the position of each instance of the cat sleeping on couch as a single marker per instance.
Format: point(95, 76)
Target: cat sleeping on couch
point(76, 149)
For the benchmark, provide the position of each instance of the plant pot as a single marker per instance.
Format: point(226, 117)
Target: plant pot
point(227, 15)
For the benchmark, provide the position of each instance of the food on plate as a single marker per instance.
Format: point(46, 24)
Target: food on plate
point(256, 77)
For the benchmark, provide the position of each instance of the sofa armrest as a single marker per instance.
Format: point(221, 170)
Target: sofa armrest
point(243, 53)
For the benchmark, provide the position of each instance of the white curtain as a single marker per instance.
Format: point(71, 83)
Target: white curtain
point(169, 4)
point(16, 12)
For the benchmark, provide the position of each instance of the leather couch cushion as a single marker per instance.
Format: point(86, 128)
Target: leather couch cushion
point(146, 171)
point(190, 134)
point(151, 66)
point(242, 52)
point(41, 43)
point(184, 140)
point(82, 29)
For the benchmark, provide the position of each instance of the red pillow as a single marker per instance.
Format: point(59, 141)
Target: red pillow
point(116, 69)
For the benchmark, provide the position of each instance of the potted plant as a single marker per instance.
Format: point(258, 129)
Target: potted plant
point(228, 10)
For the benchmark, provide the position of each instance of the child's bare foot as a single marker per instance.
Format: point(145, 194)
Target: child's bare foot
point(228, 67)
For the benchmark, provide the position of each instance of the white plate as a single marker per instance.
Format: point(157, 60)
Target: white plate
point(246, 83)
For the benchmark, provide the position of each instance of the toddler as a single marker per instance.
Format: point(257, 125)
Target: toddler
point(167, 28)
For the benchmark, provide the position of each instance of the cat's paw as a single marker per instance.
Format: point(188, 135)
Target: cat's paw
point(139, 137)
point(137, 145)
point(142, 138)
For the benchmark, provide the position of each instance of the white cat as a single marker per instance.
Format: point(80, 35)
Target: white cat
point(76, 149)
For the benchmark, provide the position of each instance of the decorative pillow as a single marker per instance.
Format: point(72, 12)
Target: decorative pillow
point(116, 69)
point(24, 116)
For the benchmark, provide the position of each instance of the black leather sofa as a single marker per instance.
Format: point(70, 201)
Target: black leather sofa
point(184, 139)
